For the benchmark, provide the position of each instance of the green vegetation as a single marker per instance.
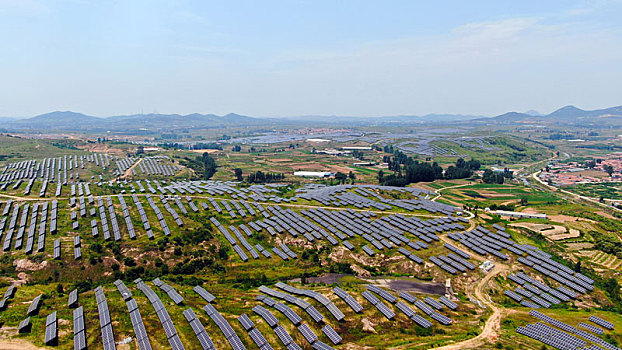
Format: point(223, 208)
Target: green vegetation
point(607, 243)
point(203, 164)
point(414, 171)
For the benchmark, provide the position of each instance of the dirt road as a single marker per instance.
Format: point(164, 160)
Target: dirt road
point(493, 323)
point(128, 172)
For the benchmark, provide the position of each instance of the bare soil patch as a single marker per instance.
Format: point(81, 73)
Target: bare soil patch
point(409, 285)
point(17, 344)
point(328, 278)
point(567, 218)
point(573, 233)
point(28, 265)
point(102, 148)
point(210, 151)
point(579, 246)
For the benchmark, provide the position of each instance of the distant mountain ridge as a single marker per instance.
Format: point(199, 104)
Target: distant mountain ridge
point(68, 120)
point(567, 114)
point(154, 122)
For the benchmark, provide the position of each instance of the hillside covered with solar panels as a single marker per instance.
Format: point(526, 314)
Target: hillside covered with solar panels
point(119, 249)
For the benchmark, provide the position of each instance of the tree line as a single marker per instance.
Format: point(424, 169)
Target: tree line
point(261, 177)
point(408, 170)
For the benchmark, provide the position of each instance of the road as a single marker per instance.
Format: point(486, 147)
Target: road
point(491, 329)
point(571, 194)
point(128, 172)
point(439, 194)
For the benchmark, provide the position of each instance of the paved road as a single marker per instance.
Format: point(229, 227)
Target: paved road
point(571, 194)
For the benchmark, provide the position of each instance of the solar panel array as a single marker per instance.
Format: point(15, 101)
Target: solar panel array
point(79, 329)
point(153, 166)
point(225, 327)
point(332, 308)
point(170, 291)
point(72, 301)
point(165, 318)
point(57, 249)
point(293, 317)
point(12, 227)
point(51, 329)
point(46, 170)
point(143, 216)
point(308, 308)
point(172, 211)
point(382, 307)
point(35, 305)
point(593, 329)
point(137, 321)
point(405, 233)
point(31, 229)
point(599, 321)
point(273, 322)
point(22, 228)
point(568, 337)
point(352, 303)
point(483, 242)
point(105, 321)
point(207, 296)
point(24, 326)
point(159, 215)
point(198, 329)
point(77, 247)
point(254, 333)
point(8, 294)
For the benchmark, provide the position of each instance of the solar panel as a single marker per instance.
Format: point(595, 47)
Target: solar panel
point(307, 333)
point(24, 326)
point(207, 296)
point(73, 299)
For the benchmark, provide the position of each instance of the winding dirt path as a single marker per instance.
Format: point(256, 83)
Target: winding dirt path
point(439, 194)
point(493, 323)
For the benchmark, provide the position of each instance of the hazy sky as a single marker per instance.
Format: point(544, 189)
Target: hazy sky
point(285, 58)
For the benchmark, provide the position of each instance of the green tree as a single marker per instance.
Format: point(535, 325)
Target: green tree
point(209, 165)
point(341, 177)
point(238, 174)
point(60, 289)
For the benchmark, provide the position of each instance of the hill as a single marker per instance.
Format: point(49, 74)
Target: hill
point(59, 120)
point(72, 121)
point(566, 115)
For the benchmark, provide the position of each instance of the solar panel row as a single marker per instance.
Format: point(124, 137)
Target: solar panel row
point(163, 315)
point(224, 327)
point(196, 325)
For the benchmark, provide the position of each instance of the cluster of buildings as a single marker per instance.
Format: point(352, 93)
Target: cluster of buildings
point(573, 173)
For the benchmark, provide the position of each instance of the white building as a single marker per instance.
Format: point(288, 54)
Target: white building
point(516, 214)
point(360, 148)
point(313, 173)
point(487, 265)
